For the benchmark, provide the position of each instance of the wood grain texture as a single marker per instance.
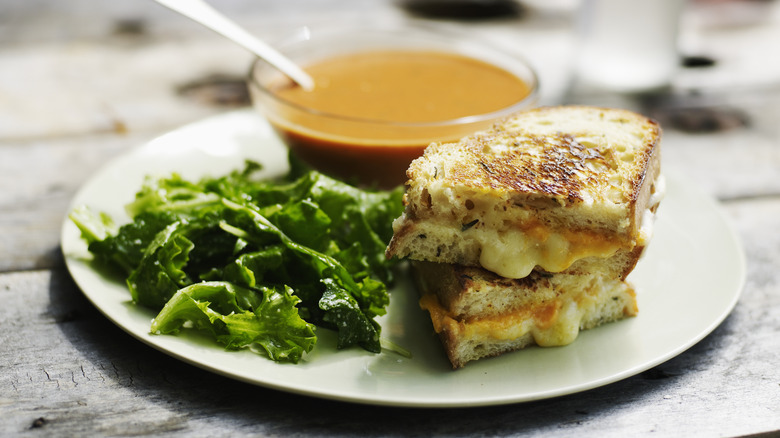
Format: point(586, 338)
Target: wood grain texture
point(83, 81)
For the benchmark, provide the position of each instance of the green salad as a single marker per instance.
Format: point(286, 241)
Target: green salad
point(256, 263)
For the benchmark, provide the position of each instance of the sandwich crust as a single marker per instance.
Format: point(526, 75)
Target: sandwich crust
point(542, 189)
point(478, 314)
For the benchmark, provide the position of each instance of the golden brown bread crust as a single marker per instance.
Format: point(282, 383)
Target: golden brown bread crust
point(585, 173)
point(643, 188)
point(552, 174)
point(552, 166)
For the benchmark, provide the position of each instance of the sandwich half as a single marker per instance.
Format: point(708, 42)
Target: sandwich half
point(479, 314)
point(544, 189)
point(524, 234)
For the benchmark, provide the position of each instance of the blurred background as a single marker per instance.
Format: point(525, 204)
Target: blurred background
point(84, 66)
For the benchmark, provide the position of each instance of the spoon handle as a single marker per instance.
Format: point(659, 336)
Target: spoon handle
point(204, 14)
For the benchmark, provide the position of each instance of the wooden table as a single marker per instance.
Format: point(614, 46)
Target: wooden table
point(84, 81)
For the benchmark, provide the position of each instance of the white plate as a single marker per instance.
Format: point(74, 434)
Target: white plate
point(687, 283)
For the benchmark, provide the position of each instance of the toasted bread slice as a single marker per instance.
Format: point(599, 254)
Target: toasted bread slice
point(543, 189)
point(478, 314)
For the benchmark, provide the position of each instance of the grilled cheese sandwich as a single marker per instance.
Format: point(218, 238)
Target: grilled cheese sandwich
point(502, 315)
point(543, 189)
point(524, 234)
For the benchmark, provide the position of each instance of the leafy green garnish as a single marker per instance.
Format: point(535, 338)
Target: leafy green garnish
point(240, 317)
point(255, 263)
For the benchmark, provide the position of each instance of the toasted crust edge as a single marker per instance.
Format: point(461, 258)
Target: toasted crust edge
point(461, 345)
point(639, 197)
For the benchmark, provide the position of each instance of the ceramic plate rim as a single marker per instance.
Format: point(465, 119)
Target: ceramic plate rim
point(231, 137)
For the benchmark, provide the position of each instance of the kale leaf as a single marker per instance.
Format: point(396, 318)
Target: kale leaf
point(257, 263)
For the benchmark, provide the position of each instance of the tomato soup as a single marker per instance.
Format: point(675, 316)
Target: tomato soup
point(370, 114)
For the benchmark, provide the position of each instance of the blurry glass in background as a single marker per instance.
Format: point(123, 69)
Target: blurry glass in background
point(628, 45)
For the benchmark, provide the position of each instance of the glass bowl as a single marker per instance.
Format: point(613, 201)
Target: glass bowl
point(371, 150)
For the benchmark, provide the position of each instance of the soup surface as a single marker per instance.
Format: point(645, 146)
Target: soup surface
point(399, 86)
point(374, 112)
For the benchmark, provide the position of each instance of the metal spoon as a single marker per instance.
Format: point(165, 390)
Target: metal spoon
point(204, 14)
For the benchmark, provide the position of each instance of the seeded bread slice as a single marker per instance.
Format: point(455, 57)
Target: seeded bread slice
point(542, 189)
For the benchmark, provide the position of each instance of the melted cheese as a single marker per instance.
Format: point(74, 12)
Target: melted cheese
point(439, 316)
point(514, 253)
point(553, 323)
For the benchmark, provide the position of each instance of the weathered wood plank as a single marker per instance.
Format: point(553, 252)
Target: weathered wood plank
point(83, 81)
point(39, 178)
